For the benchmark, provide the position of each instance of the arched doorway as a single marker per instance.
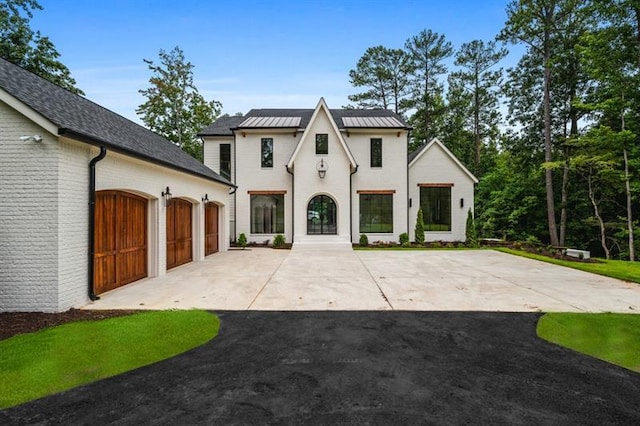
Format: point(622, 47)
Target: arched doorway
point(179, 235)
point(321, 216)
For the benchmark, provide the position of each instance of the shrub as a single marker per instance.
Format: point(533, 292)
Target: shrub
point(242, 240)
point(472, 238)
point(404, 240)
point(364, 240)
point(517, 245)
point(278, 241)
point(420, 227)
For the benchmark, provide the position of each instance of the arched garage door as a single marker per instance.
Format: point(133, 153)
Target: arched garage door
point(120, 239)
point(179, 238)
point(210, 229)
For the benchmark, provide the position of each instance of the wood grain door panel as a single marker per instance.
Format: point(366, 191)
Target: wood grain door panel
point(210, 229)
point(179, 234)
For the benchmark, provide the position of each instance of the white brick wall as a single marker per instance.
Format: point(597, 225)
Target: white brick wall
point(44, 214)
point(436, 166)
point(28, 216)
point(391, 176)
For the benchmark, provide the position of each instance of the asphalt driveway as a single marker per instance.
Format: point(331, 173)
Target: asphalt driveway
point(310, 278)
point(358, 367)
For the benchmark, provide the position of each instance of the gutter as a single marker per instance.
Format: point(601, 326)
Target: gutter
point(351, 202)
point(92, 220)
point(293, 204)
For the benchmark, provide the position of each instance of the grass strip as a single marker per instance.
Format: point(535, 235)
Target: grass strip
point(37, 364)
point(620, 269)
point(614, 338)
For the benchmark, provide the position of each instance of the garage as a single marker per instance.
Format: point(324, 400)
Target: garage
point(179, 233)
point(120, 233)
point(210, 229)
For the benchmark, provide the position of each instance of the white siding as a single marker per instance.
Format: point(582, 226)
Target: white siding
point(391, 176)
point(212, 160)
point(436, 166)
point(28, 216)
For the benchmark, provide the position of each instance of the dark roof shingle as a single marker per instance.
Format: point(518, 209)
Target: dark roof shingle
point(87, 121)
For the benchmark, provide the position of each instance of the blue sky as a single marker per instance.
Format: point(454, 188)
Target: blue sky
point(247, 54)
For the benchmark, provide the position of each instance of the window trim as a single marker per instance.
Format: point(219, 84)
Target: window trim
point(327, 142)
point(262, 158)
point(371, 158)
point(282, 193)
point(222, 173)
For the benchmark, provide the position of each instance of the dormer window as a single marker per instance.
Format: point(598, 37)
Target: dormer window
point(322, 144)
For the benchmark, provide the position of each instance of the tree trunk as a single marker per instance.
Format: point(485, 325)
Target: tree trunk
point(632, 249)
point(565, 196)
point(551, 210)
point(476, 123)
point(596, 212)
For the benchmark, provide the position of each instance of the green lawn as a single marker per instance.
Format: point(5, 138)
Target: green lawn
point(621, 269)
point(55, 359)
point(611, 337)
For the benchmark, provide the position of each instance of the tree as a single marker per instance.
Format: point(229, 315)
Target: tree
point(427, 51)
point(480, 81)
point(419, 229)
point(174, 107)
point(30, 50)
point(538, 23)
point(385, 72)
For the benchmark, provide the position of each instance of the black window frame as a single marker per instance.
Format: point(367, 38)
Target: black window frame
point(376, 152)
point(269, 225)
point(375, 206)
point(225, 164)
point(435, 202)
point(322, 144)
point(266, 158)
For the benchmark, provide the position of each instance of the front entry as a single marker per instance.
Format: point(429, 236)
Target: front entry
point(179, 237)
point(321, 216)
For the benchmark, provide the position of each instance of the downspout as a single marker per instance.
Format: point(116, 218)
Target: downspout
point(408, 187)
point(351, 202)
point(293, 205)
point(92, 219)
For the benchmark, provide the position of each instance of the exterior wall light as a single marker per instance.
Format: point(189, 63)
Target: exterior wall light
point(461, 202)
point(167, 197)
point(35, 138)
point(322, 168)
point(205, 199)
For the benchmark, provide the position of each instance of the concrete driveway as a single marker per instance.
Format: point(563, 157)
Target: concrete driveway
point(315, 278)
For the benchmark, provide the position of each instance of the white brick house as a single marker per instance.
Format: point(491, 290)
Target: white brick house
point(325, 175)
point(56, 251)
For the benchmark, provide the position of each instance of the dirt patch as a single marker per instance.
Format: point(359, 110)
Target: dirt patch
point(13, 323)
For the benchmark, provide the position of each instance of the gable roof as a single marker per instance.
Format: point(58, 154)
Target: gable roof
point(323, 105)
point(415, 156)
point(80, 119)
point(300, 118)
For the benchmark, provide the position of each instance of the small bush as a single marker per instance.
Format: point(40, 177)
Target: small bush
point(517, 245)
point(472, 237)
point(242, 240)
point(364, 240)
point(278, 241)
point(533, 241)
point(404, 240)
point(420, 227)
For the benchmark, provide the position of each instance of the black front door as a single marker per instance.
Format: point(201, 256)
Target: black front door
point(321, 216)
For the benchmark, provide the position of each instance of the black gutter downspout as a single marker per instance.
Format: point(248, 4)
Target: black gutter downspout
point(293, 206)
point(408, 189)
point(351, 202)
point(92, 218)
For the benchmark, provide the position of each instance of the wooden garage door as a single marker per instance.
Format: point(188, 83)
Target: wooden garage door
point(179, 239)
point(120, 239)
point(210, 229)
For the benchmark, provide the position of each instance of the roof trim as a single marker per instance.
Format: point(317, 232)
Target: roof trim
point(81, 137)
point(435, 141)
point(28, 112)
point(323, 105)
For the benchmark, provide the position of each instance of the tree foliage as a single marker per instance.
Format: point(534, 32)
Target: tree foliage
point(174, 107)
point(28, 48)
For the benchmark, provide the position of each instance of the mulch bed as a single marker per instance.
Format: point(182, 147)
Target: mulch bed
point(13, 323)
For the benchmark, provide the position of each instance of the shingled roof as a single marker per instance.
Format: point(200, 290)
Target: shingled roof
point(224, 126)
point(80, 119)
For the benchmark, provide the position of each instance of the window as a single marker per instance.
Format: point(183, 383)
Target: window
point(267, 214)
point(266, 156)
point(322, 143)
point(376, 213)
point(376, 152)
point(225, 160)
point(436, 207)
